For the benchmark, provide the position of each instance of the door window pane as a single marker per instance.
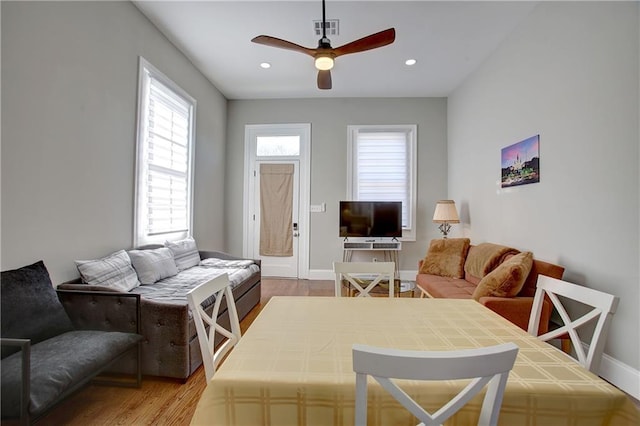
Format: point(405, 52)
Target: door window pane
point(274, 146)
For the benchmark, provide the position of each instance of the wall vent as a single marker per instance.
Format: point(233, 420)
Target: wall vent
point(332, 27)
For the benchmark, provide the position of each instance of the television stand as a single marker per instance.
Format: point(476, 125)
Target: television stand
point(390, 250)
point(371, 245)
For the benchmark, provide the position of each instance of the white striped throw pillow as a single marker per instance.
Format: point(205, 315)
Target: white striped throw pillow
point(114, 271)
point(185, 253)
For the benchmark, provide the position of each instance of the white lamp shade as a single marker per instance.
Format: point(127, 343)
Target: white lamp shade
point(446, 212)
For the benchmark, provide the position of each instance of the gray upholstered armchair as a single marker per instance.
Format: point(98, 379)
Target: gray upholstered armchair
point(47, 352)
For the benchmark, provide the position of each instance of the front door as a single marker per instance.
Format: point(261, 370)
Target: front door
point(276, 198)
point(276, 225)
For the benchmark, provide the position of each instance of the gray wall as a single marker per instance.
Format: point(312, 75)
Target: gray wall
point(69, 79)
point(569, 73)
point(329, 119)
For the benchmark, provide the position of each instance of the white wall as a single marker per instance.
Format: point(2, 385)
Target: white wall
point(329, 119)
point(569, 73)
point(69, 79)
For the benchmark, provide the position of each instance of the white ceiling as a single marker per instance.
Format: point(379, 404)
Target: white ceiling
point(449, 40)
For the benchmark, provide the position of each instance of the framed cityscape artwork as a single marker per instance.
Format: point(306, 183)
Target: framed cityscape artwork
point(521, 162)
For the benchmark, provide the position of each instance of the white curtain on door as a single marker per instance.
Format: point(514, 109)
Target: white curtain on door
point(276, 208)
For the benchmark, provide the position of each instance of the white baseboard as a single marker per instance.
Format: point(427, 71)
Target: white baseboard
point(321, 274)
point(619, 374)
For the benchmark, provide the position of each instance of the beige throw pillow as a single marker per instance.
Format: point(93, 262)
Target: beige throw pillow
point(485, 257)
point(446, 257)
point(507, 279)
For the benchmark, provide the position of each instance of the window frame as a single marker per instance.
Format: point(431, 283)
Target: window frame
point(146, 72)
point(411, 132)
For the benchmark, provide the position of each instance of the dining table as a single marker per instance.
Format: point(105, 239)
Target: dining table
point(293, 366)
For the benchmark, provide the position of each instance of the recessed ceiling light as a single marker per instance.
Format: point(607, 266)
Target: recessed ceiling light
point(265, 65)
point(410, 62)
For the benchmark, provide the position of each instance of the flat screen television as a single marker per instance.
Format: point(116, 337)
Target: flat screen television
point(371, 219)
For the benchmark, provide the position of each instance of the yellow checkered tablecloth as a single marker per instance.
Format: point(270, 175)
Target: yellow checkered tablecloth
point(293, 367)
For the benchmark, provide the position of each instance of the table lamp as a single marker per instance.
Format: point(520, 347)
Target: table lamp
point(445, 214)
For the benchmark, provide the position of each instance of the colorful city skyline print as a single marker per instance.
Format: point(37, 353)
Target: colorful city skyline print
point(521, 162)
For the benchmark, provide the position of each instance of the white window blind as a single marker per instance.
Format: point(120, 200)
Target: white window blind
point(382, 167)
point(164, 159)
point(381, 173)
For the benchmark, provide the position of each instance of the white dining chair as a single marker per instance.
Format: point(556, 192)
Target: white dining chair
point(488, 366)
point(220, 287)
point(364, 276)
point(602, 305)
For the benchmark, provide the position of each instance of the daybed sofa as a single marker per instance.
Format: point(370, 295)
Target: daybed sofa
point(501, 278)
point(170, 347)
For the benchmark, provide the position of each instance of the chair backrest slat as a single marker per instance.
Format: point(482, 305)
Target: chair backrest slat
point(488, 366)
point(219, 287)
point(602, 305)
point(375, 273)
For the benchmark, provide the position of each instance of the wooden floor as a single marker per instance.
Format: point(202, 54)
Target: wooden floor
point(162, 401)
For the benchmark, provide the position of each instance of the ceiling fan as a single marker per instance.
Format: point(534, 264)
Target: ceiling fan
point(324, 54)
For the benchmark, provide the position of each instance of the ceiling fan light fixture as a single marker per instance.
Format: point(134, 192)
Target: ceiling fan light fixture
point(324, 63)
point(325, 54)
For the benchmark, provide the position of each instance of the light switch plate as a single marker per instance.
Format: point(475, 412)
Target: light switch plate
point(318, 208)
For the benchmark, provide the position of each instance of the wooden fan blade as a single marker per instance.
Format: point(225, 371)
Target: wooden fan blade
point(324, 80)
point(369, 42)
point(282, 44)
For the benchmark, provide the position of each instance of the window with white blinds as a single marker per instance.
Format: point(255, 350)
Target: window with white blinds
point(164, 159)
point(382, 168)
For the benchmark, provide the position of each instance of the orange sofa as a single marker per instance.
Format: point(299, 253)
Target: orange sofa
point(489, 256)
